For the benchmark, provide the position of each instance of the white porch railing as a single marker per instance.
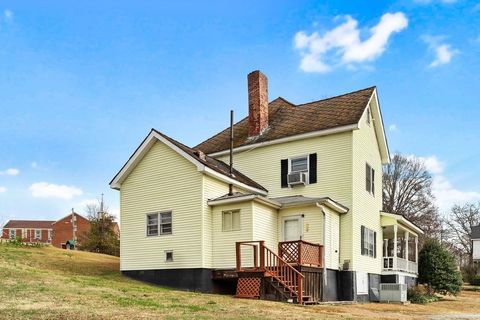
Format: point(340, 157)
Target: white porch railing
point(399, 264)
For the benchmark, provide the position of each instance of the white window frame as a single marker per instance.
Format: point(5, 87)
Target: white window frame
point(50, 234)
point(166, 259)
point(372, 179)
point(35, 234)
point(159, 223)
point(296, 158)
point(10, 233)
point(232, 227)
point(368, 242)
point(24, 233)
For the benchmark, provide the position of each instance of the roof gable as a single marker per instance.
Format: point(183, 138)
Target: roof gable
point(203, 163)
point(289, 120)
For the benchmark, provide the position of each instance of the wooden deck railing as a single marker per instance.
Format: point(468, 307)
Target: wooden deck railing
point(301, 252)
point(265, 260)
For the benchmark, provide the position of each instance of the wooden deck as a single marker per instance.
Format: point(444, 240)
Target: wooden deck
point(293, 275)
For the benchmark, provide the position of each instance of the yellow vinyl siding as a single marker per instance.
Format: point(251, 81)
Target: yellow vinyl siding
point(334, 174)
point(332, 238)
point(224, 241)
point(212, 188)
point(163, 180)
point(265, 225)
point(366, 207)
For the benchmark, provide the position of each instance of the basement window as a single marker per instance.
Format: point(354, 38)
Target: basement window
point(168, 256)
point(231, 220)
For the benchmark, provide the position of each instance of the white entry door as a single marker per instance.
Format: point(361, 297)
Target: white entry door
point(292, 228)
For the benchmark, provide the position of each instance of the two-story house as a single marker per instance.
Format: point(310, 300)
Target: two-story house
point(285, 204)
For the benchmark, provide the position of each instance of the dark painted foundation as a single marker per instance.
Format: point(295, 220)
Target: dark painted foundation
point(186, 279)
point(331, 288)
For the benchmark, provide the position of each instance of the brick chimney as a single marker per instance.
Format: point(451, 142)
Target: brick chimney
point(257, 103)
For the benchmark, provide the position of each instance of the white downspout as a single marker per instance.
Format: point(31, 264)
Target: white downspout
point(324, 272)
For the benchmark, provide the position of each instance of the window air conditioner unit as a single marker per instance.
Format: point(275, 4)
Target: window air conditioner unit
point(393, 292)
point(296, 178)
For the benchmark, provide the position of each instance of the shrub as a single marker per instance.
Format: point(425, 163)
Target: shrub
point(475, 280)
point(419, 295)
point(437, 269)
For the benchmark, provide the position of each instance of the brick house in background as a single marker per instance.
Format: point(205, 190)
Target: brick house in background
point(29, 230)
point(69, 229)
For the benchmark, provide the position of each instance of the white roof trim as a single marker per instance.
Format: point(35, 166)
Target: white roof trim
point(247, 197)
point(291, 138)
point(402, 219)
point(149, 142)
point(378, 127)
point(333, 205)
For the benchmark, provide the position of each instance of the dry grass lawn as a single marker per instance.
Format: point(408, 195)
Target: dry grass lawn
point(48, 283)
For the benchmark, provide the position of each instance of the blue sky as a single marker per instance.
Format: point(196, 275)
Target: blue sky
point(82, 83)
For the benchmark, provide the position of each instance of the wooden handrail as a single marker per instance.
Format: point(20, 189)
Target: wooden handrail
point(273, 265)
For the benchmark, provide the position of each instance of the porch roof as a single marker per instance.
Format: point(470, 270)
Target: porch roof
point(392, 218)
point(280, 202)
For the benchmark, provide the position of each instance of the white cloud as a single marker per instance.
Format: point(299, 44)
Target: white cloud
point(342, 45)
point(10, 172)
point(8, 15)
point(392, 127)
point(50, 190)
point(3, 189)
point(445, 193)
point(34, 164)
point(443, 52)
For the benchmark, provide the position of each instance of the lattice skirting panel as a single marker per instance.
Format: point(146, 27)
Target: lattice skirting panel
point(248, 288)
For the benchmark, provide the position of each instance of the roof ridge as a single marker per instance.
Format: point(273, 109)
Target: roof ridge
point(338, 96)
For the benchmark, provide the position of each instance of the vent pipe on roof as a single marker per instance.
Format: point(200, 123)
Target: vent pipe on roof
point(257, 103)
point(230, 186)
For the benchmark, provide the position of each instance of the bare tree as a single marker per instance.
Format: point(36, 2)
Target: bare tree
point(461, 220)
point(407, 190)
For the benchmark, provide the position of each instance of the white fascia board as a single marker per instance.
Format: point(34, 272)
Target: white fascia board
point(335, 206)
point(248, 197)
point(229, 180)
point(379, 128)
point(319, 133)
point(142, 150)
point(402, 219)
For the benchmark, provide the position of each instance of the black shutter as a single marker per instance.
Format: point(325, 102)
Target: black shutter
point(375, 244)
point(284, 172)
point(312, 170)
point(362, 236)
point(367, 177)
point(373, 181)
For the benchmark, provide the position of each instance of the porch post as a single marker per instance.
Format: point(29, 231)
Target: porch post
point(395, 247)
point(416, 249)
point(407, 234)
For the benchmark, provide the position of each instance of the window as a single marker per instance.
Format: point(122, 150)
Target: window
point(49, 235)
point(24, 233)
point(370, 179)
point(299, 164)
point(38, 234)
point(368, 116)
point(159, 223)
point(13, 233)
point(168, 256)
point(368, 242)
point(231, 220)
point(152, 224)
